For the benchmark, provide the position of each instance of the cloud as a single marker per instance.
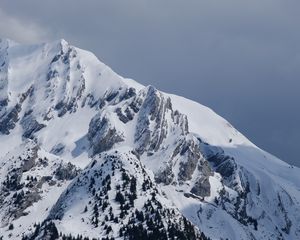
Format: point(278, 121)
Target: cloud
point(23, 31)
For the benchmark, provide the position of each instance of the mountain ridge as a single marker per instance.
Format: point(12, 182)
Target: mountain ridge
point(64, 114)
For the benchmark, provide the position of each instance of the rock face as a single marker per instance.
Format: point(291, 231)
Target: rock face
point(201, 187)
point(30, 126)
point(66, 172)
point(9, 119)
point(82, 146)
point(102, 135)
point(153, 128)
point(22, 186)
point(122, 201)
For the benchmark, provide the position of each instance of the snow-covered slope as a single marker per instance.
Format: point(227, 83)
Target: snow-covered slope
point(87, 152)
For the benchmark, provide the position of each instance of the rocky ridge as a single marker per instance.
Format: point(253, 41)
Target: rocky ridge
point(85, 147)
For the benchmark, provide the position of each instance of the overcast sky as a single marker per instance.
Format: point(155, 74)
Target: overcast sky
point(241, 58)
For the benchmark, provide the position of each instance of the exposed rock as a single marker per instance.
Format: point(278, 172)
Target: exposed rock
point(66, 106)
point(8, 121)
point(58, 149)
point(129, 93)
point(227, 168)
point(30, 126)
point(13, 180)
point(191, 151)
point(153, 109)
point(204, 167)
point(119, 184)
point(223, 164)
point(29, 162)
point(66, 172)
point(201, 187)
point(165, 176)
point(22, 202)
point(3, 102)
point(182, 121)
point(126, 116)
point(102, 135)
point(110, 96)
point(43, 180)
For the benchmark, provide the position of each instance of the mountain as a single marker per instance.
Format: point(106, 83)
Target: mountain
point(88, 154)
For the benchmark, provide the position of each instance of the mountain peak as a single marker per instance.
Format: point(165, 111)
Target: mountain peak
point(63, 41)
point(82, 146)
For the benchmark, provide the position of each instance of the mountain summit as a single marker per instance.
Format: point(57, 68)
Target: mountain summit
point(87, 154)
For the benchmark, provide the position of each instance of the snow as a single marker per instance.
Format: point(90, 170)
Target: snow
point(101, 77)
point(207, 124)
point(134, 84)
point(80, 76)
point(70, 131)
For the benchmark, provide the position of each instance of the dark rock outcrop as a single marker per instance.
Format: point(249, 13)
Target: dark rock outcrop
point(191, 151)
point(201, 187)
point(66, 171)
point(30, 126)
point(102, 135)
point(8, 121)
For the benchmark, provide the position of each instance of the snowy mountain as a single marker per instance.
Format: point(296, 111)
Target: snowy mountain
point(87, 154)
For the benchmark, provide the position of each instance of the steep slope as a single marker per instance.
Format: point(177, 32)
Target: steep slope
point(120, 199)
point(87, 152)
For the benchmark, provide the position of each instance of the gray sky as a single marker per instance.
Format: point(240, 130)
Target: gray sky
point(241, 58)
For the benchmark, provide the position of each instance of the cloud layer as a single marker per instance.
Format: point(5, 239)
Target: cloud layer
point(21, 31)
